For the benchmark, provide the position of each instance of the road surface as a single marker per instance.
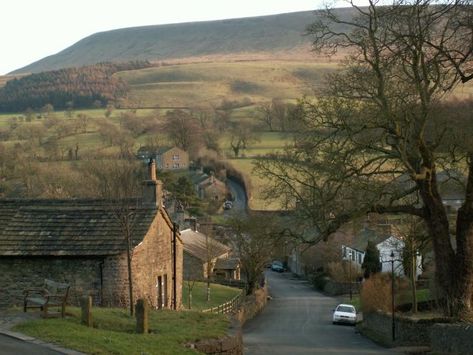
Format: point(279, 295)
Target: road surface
point(239, 195)
point(298, 321)
point(11, 346)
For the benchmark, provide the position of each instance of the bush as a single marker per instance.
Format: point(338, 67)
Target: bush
point(376, 293)
point(319, 280)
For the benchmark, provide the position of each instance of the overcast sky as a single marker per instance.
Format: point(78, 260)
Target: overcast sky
point(33, 29)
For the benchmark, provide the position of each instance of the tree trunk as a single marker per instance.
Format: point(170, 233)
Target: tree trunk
point(130, 278)
point(413, 278)
point(454, 269)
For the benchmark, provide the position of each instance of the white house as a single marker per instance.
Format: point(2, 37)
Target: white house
point(387, 245)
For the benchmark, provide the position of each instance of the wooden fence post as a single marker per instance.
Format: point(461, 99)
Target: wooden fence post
point(141, 313)
point(86, 308)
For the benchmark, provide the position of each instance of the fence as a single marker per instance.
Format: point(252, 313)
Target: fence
point(227, 307)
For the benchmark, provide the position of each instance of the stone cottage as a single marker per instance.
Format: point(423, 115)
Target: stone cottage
point(81, 242)
point(204, 255)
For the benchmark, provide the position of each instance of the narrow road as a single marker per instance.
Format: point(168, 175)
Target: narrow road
point(298, 320)
point(239, 195)
point(11, 346)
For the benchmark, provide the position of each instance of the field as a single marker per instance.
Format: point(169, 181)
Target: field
point(219, 294)
point(200, 84)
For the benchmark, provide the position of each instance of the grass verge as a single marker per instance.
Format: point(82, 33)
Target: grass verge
point(114, 331)
point(219, 294)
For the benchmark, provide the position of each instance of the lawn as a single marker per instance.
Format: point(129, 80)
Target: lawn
point(219, 294)
point(114, 331)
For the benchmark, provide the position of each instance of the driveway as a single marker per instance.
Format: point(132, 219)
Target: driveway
point(298, 320)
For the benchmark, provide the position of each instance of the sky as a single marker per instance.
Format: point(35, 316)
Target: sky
point(33, 29)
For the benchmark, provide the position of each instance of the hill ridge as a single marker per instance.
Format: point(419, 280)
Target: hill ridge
point(260, 34)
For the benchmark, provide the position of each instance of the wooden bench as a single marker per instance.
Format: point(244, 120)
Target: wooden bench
point(52, 294)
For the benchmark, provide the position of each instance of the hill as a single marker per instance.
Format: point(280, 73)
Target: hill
point(275, 35)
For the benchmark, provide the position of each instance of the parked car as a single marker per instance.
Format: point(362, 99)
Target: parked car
point(277, 266)
point(227, 205)
point(344, 313)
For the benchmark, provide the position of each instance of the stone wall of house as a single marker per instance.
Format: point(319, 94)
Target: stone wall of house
point(193, 267)
point(408, 331)
point(20, 273)
point(153, 261)
point(115, 281)
point(451, 339)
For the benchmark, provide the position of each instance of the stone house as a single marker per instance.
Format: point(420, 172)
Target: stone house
point(172, 158)
point(81, 242)
point(209, 187)
point(204, 255)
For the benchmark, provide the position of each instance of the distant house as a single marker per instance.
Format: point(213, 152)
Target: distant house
point(203, 254)
point(167, 158)
point(81, 242)
point(209, 187)
point(172, 158)
point(386, 243)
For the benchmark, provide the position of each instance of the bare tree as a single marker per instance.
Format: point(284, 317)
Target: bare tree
point(255, 239)
point(241, 135)
point(182, 129)
point(377, 139)
point(117, 182)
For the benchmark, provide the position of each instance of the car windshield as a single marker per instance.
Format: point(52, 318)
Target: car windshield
point(345, 309)
point(277, 263)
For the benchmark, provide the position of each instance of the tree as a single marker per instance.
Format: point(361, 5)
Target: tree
point(182, 129)
point(241, 135)
point(371, 263)
point(416, 240)
point(265, 114)
point(117, 181)
point(378, 137)
point(255, 239)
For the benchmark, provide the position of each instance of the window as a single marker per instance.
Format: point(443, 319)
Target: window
point(175, 157)
point(175, 166)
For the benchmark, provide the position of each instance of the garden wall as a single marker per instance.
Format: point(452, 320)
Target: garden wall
point(452, 339)
point(232, 343)
point(408, 331)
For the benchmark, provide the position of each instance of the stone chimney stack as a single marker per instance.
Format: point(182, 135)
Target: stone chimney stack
point(152, 188)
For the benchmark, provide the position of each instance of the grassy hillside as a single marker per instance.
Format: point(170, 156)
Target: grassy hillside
point(210, 83)
point(274, 34)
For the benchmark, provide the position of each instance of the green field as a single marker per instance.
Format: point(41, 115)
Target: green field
point(188, 85)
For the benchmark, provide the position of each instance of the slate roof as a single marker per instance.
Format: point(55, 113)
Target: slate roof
point(227, 264)
point(361, 239)
point(67, 227)
point(195, 243)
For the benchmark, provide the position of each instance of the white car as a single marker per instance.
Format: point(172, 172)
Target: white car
point(344, 313)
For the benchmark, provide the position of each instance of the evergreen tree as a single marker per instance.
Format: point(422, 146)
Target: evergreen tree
point(371, 264)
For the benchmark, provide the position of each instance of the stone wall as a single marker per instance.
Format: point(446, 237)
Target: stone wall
point(20, 273)
point(193, 267)
point(408, 331)
point(452, 339)
point(105, 278)
point(252, 305)
point(151, 261)
point(231, 344)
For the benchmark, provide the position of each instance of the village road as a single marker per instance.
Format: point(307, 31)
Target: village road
point(298, 320)
point(239, 195)
point(11, 346)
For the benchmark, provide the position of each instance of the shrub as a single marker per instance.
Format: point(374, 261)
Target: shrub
point(341, 271)
point(376, 293)
point(319, 280)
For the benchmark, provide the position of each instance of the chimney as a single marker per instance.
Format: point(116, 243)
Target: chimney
point(152, 188)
